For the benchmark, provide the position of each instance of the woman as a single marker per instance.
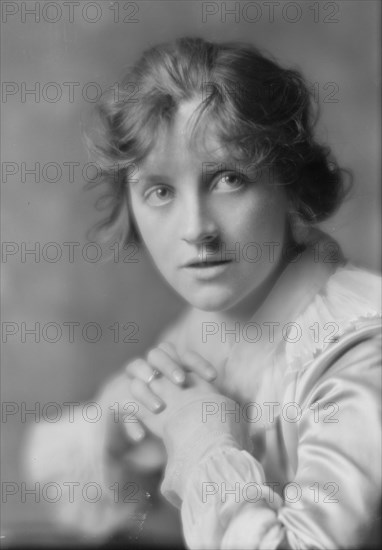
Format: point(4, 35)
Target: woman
point(261, 402)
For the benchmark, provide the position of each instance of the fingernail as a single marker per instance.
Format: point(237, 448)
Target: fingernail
point(138, 434)
point(179, 376)
point(157, 405)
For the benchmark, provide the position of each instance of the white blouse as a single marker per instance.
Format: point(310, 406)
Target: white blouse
point(303, 378)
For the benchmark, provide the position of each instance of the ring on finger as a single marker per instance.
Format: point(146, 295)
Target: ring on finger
point(155, 374)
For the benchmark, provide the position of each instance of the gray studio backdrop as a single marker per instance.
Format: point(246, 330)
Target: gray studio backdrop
point(89, 317)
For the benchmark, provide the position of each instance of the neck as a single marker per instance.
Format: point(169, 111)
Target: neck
point(244, 310)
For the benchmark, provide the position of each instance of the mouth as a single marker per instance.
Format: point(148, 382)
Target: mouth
point(206, 264)
point(208, 270)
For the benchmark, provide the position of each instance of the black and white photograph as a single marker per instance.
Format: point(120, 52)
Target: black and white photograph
point(191, 274)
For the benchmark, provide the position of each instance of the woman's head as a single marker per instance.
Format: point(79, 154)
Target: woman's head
point(218, 108)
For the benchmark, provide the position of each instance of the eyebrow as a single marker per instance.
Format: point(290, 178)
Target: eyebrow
point(150, 178)
point(208, 169)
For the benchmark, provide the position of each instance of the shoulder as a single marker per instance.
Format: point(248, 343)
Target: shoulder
point(341, 353)
point(345, 310)
point(359, 286)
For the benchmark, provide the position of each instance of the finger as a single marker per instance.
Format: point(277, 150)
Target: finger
point(197, 364)
point(191, 361)
point(169, 348)
point(139, 368)
point(159, 359)
point(142, 392)
point(135, 431)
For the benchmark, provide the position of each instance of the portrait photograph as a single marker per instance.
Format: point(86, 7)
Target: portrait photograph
point(191, 274)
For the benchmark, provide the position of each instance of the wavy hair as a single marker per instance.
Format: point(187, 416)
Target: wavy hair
point(261, 112)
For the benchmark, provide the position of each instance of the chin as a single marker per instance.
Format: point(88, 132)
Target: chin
point(210, 301)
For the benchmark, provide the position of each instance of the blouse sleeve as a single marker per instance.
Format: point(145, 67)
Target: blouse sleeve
point(98, 492)
point(333, 499)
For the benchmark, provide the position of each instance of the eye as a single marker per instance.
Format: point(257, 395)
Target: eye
point(159, 196)
point(229, 181)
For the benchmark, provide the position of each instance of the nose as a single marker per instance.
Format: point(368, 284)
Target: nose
point(198, 222)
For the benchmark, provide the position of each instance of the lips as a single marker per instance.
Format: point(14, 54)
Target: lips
point(208, 270)
point(197, 264)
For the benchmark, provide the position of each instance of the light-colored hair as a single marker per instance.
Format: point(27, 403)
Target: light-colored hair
point(262, 113)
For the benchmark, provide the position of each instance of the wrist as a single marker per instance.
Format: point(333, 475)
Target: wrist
point(191, 436)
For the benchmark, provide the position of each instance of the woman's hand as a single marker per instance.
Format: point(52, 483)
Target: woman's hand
point(163, 360)
point(195, 417)
point(119, 410)
point(126, 399)
point(175, 397)
point(196, 421)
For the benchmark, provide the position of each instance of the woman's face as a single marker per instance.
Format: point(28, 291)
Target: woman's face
point(214, 232)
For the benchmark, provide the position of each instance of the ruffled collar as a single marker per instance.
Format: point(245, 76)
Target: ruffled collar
point(317, 298)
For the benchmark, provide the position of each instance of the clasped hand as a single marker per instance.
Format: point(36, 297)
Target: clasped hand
point(163, 384)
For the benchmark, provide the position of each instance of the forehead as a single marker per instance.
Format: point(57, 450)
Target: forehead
point(182, 144)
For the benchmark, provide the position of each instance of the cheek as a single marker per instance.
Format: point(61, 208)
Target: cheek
point(154, 241)
point(272, 220)
point(141, 223)
point(262, 219)
point(154, 235)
